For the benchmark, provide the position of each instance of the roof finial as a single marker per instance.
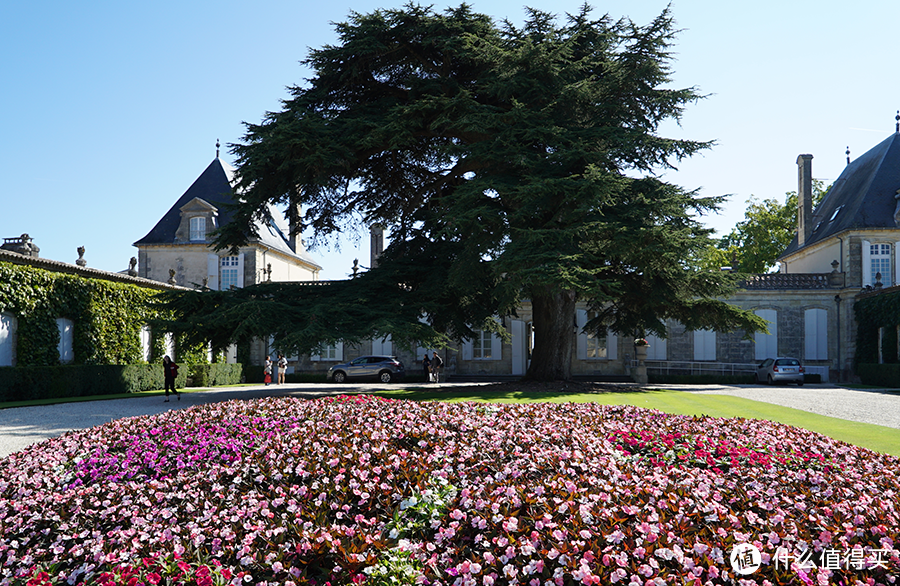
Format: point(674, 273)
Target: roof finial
point(848, 154)
point(217, 145)
point(897, 118)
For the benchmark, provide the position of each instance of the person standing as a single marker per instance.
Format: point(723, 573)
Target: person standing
point(436, 364)
point(170, 372)
point(426, 364)
point(267, 371)
point(282, 367)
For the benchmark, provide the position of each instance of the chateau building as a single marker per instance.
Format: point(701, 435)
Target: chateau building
point(178, 249)
point(848, 244)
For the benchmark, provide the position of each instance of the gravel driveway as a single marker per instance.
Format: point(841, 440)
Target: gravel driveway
point(875, 406)
point(23, 426)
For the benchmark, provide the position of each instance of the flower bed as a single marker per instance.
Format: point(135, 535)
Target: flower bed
point(355, 490)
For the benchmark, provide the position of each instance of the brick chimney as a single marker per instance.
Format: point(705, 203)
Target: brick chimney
point(804, 199)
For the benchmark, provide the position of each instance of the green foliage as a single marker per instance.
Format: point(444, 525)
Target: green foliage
point(108, 316)
point(875, 312)
point(394, 568)
point(509, 163)
point(26, 383)
point(879, 375)
point(213, 375)
point(754, 245)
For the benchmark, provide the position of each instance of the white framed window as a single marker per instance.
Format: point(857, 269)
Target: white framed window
point(329, 353)
point(231, 273)
point(766, 345)
point(591, 346)
point(8, 326)
point(704, 345)
point(880, 259)
point(486, 345)
point(66, 334)
point(596, 345)
point(198, 229)
point(481, 345)
point(816, 329)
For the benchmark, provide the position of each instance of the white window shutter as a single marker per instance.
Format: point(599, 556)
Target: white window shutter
point(816, 330)
point(767, 344)
point(867, 263)
point(809, 331)
point(704, 345)
point(339, 352)
point(66, 330)
point(822, 338)
point(382, 346)
point(496, 347)
point(657, 349)
point(240, 271)
point(896, 264)
point(8, 326)
point(581, 339)
point(612, 345)
point(146, 347)
point(212, 271)
point(170, 346)
point(467, 350)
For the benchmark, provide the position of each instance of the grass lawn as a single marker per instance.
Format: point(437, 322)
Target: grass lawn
point(873, 437)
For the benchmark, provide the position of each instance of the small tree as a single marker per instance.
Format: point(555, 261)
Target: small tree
point(510, 163)
point(754, 245)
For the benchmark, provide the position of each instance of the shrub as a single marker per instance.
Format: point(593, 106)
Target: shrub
point(29, 383)
point(879, 375)
point(214, 375)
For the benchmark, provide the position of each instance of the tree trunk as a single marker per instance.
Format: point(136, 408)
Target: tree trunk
point(554, 322)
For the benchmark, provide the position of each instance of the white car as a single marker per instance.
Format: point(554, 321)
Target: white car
point(780, 370)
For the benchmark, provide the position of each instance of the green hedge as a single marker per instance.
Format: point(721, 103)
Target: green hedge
point(28, 383)
point(214, 375)
point(879, 375)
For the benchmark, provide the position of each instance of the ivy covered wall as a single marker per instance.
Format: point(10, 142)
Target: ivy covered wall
point(107, 316)
point(874, 313)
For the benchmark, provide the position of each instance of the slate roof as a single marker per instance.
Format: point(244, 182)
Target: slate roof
point(863, 197)
point(214, 186)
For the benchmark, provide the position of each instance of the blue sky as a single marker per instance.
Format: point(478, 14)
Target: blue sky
point(112, 109)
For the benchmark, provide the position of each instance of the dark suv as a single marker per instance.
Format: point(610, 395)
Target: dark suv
point(380, 368)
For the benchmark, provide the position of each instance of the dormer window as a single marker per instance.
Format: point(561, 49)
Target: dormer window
point(198, 219)
point(198, 229)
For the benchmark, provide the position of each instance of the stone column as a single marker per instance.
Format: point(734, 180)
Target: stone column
point(640, 371)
